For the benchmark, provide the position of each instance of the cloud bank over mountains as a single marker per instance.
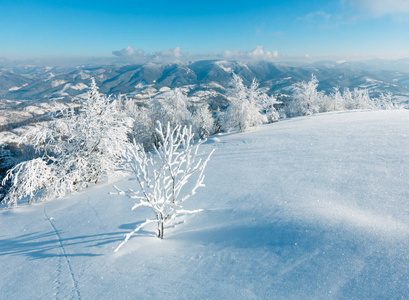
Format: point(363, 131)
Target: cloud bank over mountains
point(257, 54)
point(130, 54)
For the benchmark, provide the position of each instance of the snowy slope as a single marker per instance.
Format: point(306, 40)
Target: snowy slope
point(312, 207)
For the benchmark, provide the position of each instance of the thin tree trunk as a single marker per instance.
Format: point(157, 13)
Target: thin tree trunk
point(160, 228)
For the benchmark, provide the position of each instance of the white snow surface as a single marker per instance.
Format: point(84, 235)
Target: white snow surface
point(58, 82)
point(308, 208)
point(79, 86)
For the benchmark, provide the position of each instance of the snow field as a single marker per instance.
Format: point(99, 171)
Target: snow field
point(308, 208)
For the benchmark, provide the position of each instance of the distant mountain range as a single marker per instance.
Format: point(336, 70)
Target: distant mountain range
point(205, 81)
point(38, 83)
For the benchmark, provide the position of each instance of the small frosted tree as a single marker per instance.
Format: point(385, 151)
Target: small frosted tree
point(338, 100)
point(325, 103)
point(244, 110)
point(32, 179)
point(305, 100)
point(362, 99)
point(175, 108)
point(357, 99)
point(161, 175)
point(75, 150)
point(385, 102)
point(142, 128)
point(203, 122)
point(349, 101)
point(267, 106)
point(171, 107)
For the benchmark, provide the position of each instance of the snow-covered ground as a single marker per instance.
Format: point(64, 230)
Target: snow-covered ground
point(307, 208)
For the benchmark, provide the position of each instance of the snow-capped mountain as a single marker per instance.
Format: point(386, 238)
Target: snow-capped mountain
point(25, 88)
point(48, 82)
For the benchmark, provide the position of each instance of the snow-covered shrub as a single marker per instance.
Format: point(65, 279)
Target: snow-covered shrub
point(385, 102)
point(267, 106)
point(175, 108)
point(244, 110)
point(337, 100)
point(349, 101)
point(142, 128)
point(332, 102)
point(362, 99)
point(220, 121)
point(32, 179)
point(325, 103)
point(357, 99)
point(74, 151)
point(171, 107)
point(162, 174)
point(203, 122)
point(305, 100)
point(11, 155)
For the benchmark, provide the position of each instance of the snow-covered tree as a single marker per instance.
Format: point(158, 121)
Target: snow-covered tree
point(162, 175)
point(362, 99)
point(220, 121)
point(32, 179)
point(349, 101)
point(244, 110)
point(74, 151)
point(338, 100)
point(203, 122)
point(325, 103)
point(385, 102)
point(142, 128)
point(357, 99)
point(305, 100)
point(10, 155)
point(267, 106)
point(171, 107)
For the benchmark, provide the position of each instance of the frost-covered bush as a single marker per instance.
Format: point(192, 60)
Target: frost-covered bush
point(33, 179)
point(74, 151)
point(305, 100)
point(172, 107)
point(245, 109)
point(385, 102)
point(203, 122)
point(11, 155)
point(162, 175)
point(142, 128)
point(357, 99)
point(338, 102)
point(267, 105)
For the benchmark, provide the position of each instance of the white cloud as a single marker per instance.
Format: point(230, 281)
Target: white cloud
point(175, 52)
point(129, 52)
point(257, 54)
point(383, 7)
point(377, 8)
point(317, 17)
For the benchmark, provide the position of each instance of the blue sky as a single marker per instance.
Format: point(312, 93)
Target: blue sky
point(160, 30)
